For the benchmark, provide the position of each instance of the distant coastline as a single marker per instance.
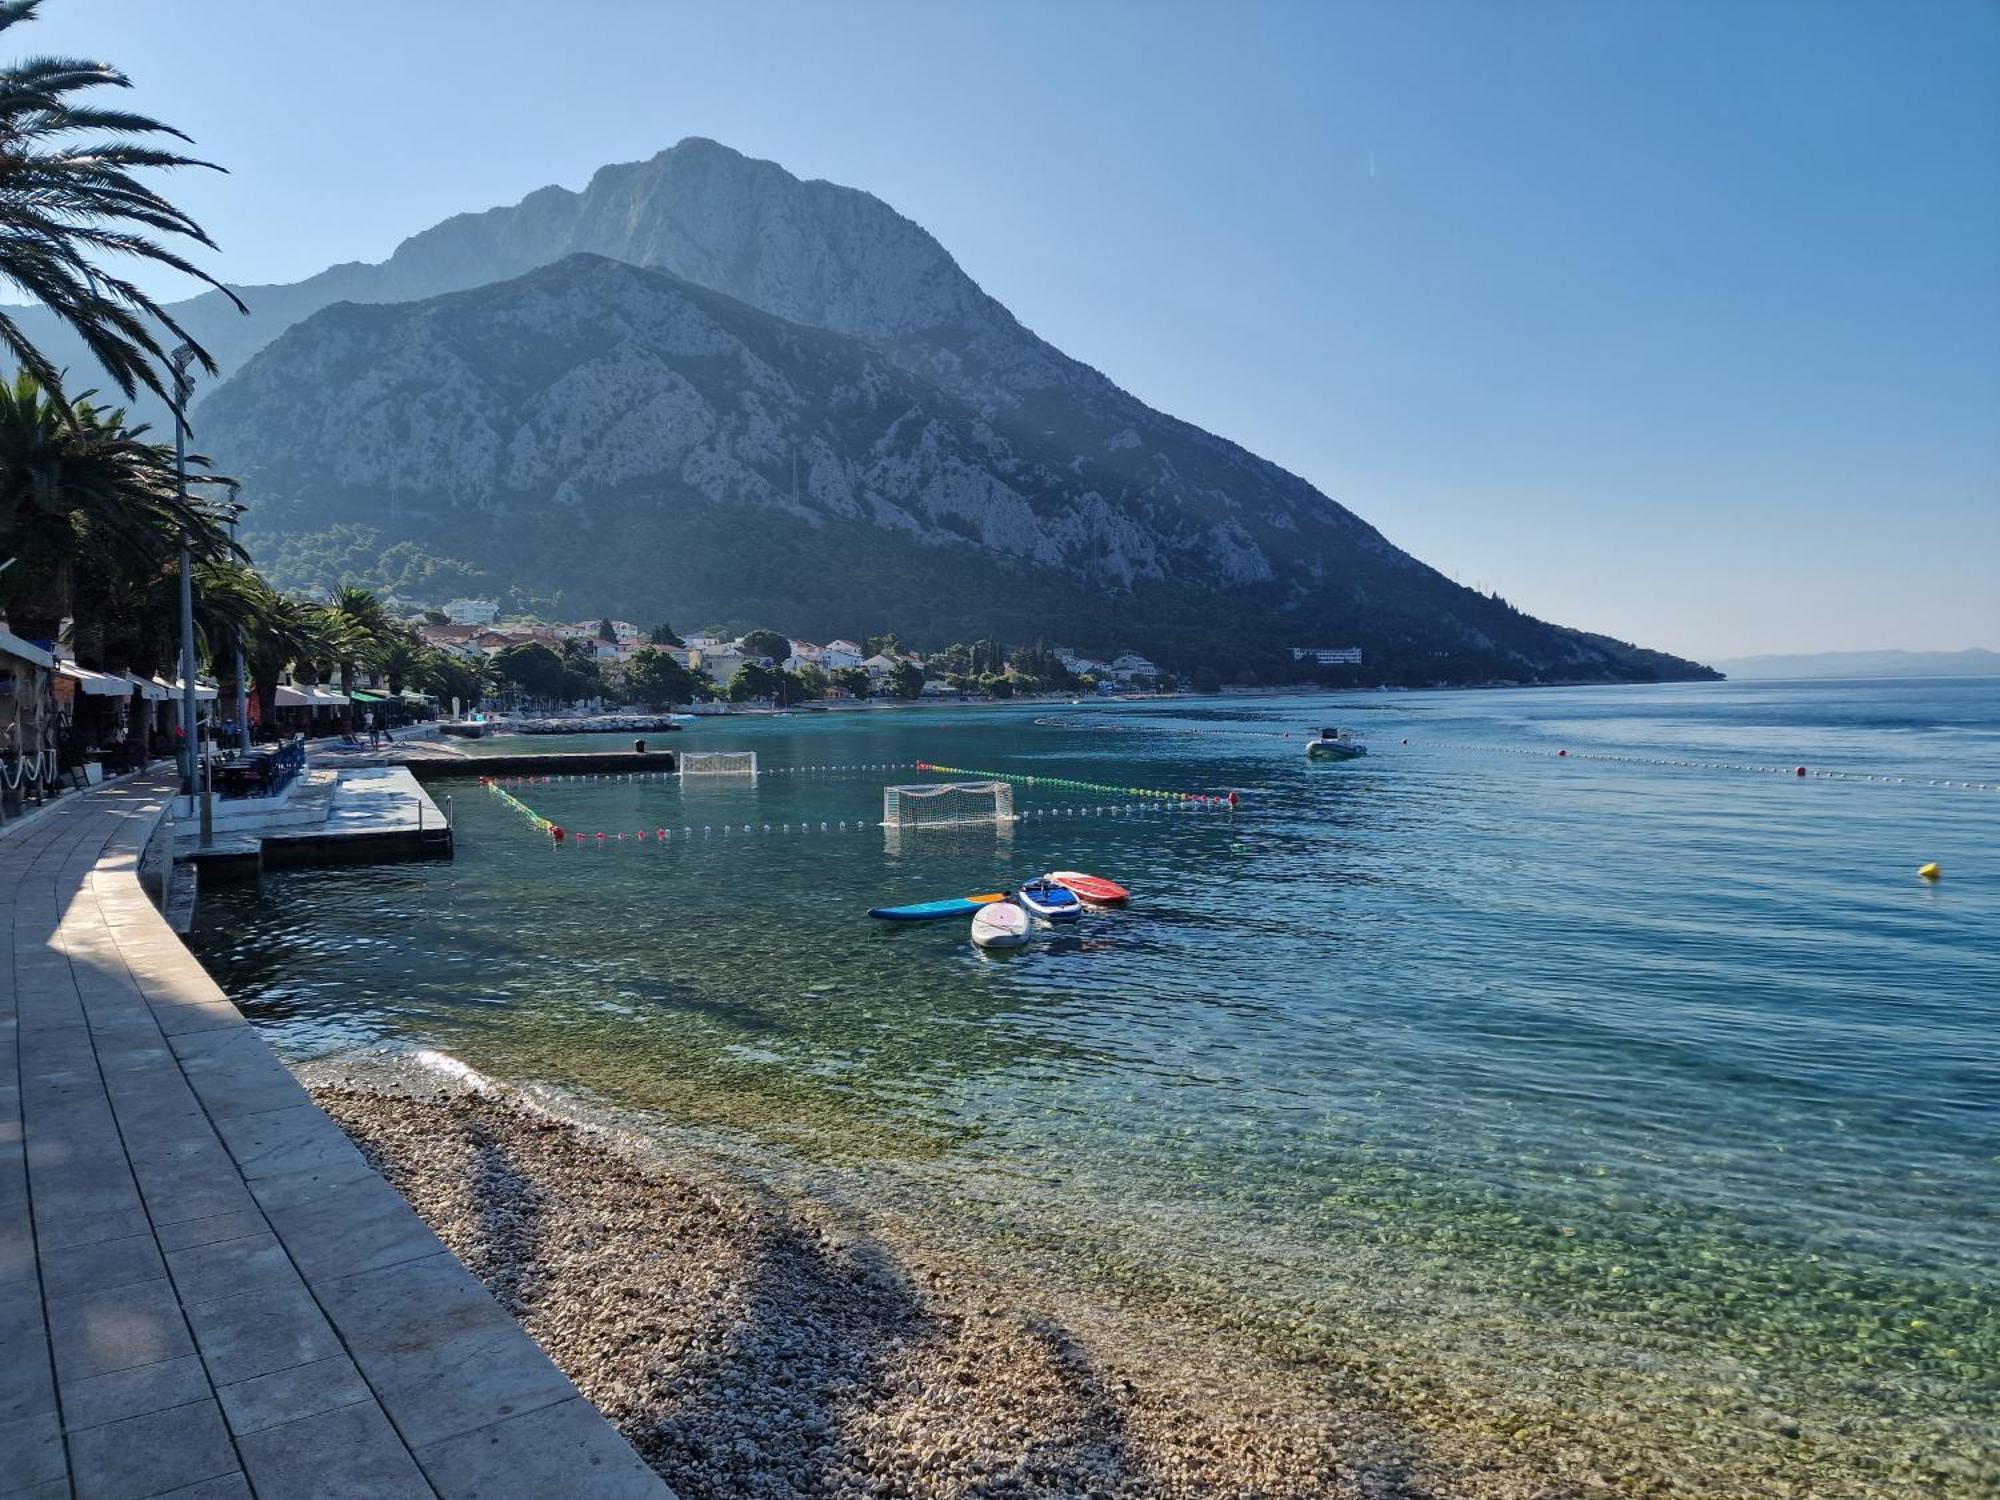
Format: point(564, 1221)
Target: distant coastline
point(1825, 665)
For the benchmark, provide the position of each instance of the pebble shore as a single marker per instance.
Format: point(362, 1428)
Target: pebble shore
point(753, 1344)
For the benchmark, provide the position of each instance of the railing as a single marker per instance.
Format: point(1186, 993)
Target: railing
point(264, 774)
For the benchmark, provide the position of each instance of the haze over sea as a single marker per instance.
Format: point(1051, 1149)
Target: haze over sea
point(1642, 1111)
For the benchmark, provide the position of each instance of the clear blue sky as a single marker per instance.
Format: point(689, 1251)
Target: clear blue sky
point(1679, 321)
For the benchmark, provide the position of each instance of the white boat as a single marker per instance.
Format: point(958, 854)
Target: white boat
point(1335, 744)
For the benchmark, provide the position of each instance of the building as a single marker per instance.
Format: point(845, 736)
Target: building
point(1134, 671)
point(841, 654)
point(494, 641)
point(718, 661)
point(472, 611)
point(879, 667)
point(1328, 656)
point(454, 638)
point(806, 654)
point(1080, 665)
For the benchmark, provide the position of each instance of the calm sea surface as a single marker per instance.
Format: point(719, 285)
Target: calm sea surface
point(1649, 1107)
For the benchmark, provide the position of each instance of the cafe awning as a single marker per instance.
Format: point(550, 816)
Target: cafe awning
point(148, 688)
point(292, 697)
point(202, 691)
point(362, 696)
point(97, 684)
point(14, 645)
point(325, 697)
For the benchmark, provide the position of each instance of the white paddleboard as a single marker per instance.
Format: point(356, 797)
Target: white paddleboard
point(1001, 925)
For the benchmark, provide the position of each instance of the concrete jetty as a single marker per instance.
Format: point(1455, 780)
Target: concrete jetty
point(555, 763)
point(205, 1290)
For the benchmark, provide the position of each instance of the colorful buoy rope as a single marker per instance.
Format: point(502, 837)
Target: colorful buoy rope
point(690, 833)
point(1069, 784)
point(526, 779)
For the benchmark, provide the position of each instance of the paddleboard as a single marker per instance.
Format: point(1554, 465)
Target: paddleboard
point(1050, 902)
point(1092, 888)
point(931, 911)
point(1001, 924)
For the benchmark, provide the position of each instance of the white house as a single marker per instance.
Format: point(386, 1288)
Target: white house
point(472, 611)
point(1329, 656)
point(841, 654)
point(879, 667)
point(1134, 670)
point(719, 662)
point(806, 654)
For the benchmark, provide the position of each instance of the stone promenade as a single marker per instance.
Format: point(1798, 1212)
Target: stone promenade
point(205, 1291)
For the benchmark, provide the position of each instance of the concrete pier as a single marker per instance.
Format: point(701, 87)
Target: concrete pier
point(205, 1291)
point(554, 763)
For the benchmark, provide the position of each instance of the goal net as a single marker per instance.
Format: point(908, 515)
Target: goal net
point(950, 804)
point(702, 764)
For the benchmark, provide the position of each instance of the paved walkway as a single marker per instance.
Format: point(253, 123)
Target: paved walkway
point(205, 1291)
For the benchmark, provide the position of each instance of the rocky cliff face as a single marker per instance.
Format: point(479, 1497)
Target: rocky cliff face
point(703, 386)
point(654, 446)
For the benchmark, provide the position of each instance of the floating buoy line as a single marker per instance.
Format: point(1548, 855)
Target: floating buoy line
point(694, 833)
point(532, 780)
point(1071, 785)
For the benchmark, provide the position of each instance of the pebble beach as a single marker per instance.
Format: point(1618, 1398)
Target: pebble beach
point(753, 1344)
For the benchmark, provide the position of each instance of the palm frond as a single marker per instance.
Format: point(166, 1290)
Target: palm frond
point(68, 194)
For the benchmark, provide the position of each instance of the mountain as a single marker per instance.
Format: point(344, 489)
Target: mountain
point(703, 388)
point(812, 252)
point(1976, 662)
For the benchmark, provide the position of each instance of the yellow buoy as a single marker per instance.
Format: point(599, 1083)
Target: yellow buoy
point(1929, 871)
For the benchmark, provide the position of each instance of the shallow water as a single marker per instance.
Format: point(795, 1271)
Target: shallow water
point(1645, 1109)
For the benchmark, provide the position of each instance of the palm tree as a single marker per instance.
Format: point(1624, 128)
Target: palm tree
point(86, 502)
point(368, 628)
point(68, 195)
point(283, 632)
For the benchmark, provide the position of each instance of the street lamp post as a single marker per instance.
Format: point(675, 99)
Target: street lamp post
point(180, 359)
point(242, 680)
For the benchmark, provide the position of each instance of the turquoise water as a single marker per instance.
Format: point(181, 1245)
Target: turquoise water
point(1641, 1112)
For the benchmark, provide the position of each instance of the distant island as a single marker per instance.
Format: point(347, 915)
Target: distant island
point(1976, 662)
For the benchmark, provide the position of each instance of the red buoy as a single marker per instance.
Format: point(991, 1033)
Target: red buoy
point(1562, 752)
point(1802, 770)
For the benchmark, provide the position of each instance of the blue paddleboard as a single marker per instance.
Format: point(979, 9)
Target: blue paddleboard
point(931, 911)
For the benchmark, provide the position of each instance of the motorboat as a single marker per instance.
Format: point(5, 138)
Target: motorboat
point(1335, 744)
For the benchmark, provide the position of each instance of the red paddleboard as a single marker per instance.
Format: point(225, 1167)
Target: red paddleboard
point(1092, 888)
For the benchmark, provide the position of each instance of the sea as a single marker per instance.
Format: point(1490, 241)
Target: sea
point(1590, 1067)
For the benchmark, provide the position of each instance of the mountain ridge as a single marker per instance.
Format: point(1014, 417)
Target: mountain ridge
point(1109, 515)
point(660, 422)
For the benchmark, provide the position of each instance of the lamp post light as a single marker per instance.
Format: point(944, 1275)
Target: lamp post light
point(179, 360)
point(242, 680)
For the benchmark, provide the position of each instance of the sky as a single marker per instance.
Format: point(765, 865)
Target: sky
point(1676, 321)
